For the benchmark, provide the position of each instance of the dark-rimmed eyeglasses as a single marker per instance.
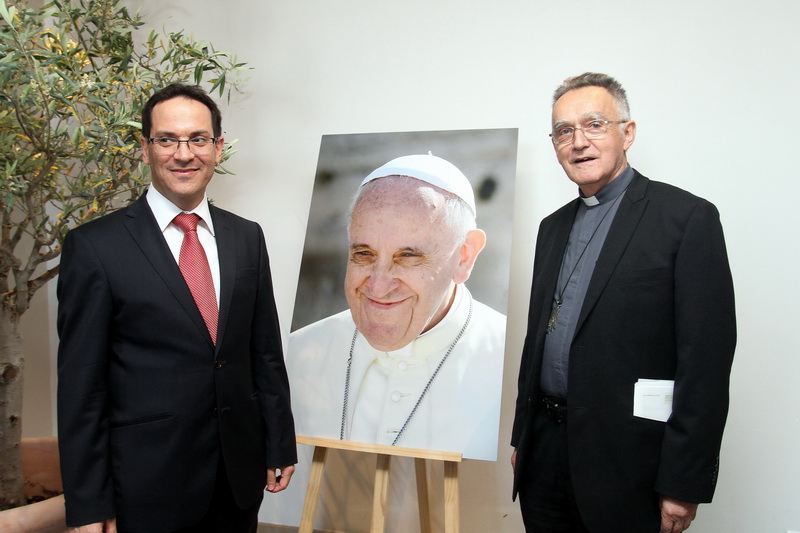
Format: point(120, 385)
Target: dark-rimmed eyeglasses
point(195, 144)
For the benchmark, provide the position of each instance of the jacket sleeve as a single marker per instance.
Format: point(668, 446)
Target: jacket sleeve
point(522, 411)
point(270, 371)
point(705, 334)
point(84, 326)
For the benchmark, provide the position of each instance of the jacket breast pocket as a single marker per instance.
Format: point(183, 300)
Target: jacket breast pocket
point(140, 421)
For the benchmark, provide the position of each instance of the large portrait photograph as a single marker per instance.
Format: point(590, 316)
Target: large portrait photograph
point(398, 330)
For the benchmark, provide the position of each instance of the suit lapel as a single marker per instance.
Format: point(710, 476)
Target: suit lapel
point(545, 284)
point(143, 228)
point(619, 235)
point(555, 255)
point(226, 252)
point(553, 260)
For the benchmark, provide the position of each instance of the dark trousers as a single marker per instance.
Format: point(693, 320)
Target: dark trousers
point(546, 497)
point(224, 515)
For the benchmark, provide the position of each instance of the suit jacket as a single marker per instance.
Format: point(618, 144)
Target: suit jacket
point(659, 306)
point(146, 401)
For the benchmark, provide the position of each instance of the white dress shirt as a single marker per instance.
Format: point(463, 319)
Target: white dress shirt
point(165, 211)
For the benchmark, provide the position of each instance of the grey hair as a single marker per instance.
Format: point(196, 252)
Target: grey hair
point(458, 215)
point(596, 79)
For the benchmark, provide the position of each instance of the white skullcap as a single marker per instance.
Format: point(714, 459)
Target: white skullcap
point(430, 169)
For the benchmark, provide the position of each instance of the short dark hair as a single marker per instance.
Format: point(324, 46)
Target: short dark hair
point(181, 90)
point(596, 79)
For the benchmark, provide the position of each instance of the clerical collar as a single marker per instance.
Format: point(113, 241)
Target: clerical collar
point(611, 191)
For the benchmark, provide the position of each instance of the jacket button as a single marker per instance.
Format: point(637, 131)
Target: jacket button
point(218, 364)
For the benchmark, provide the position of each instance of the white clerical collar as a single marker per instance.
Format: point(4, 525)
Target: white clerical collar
point(611, 191)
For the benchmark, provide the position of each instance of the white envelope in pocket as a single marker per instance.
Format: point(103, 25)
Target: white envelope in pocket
point(652, 399)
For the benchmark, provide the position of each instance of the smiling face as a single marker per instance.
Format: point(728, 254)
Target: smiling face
point(592, 163)
point(180, 174)
point(404, 261)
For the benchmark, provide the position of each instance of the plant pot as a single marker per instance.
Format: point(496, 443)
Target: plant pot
point(41, 469)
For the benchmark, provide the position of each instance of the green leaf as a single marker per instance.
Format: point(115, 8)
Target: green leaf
point(219, 82)
point(7, 13)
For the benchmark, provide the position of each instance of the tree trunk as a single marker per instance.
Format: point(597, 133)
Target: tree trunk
point(11, 367)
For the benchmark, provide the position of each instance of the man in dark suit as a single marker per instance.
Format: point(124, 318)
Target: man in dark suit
point(631, 283)
point(173, 400)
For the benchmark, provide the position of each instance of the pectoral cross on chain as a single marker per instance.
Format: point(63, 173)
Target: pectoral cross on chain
point(551, 323)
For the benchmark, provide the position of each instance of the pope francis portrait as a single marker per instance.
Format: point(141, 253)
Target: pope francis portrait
point(415, 361)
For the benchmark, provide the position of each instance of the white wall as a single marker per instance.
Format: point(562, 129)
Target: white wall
point(714, 87)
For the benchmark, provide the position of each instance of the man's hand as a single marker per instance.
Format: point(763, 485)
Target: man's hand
point(676, 515)
point(106, 526)
point(514, 460)
point(276, 482)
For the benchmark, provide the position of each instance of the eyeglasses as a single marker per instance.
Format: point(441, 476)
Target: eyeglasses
point(196, 144)
point(592, 129)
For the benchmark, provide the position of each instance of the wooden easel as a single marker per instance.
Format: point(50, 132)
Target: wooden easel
point(384, 455)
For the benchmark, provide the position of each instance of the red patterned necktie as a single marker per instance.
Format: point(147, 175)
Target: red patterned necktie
point(194, 267)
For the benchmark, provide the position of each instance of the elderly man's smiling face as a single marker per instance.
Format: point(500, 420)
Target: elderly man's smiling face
point(592, 163)
point(404, 261)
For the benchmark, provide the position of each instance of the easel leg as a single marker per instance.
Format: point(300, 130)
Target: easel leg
point(312, 492)
point(451, 497)
point(380, 495)
point(420, 467)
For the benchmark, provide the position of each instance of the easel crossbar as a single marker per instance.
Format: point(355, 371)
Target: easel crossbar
point(384, 453)
point(382, 449)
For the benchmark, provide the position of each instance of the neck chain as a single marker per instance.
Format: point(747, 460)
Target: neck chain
point(559, 298)
point(422, 394)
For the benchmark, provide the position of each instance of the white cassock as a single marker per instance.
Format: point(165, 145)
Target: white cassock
point(460, 411)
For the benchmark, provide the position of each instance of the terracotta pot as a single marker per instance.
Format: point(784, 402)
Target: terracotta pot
point(41, 469)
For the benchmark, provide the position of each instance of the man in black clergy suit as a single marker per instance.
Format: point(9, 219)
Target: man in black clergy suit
point(171, 418)
point(630, 282)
